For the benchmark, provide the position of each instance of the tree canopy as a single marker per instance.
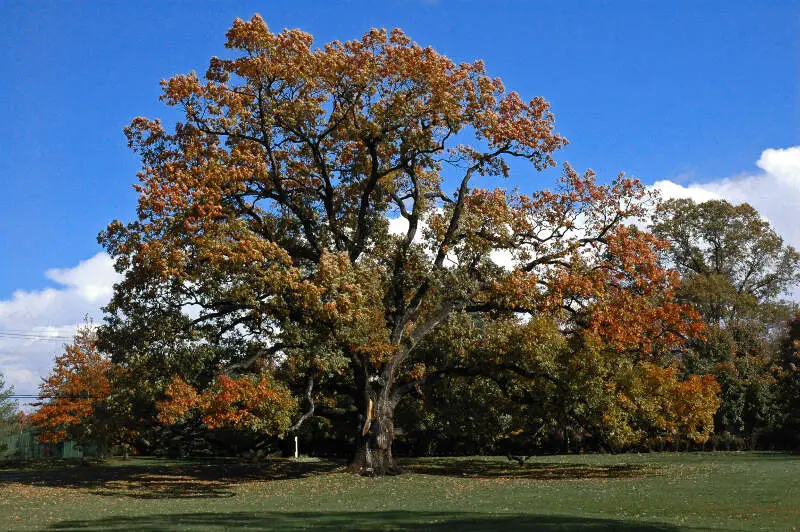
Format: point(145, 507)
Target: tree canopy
point(263, 259)
point(788, 385)
point(735, 270)
point(8, 406)
point(74, 394)
point(731, 260)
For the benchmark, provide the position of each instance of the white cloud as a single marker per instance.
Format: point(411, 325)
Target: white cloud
point(783, 164)
point(670, 190)
point(774, 191)
point(93, 279)
point(35, 324)
point(399, 226)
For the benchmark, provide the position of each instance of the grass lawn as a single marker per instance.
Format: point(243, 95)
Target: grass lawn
point(649, 492)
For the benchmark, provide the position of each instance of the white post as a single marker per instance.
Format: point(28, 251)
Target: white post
point(296, 448)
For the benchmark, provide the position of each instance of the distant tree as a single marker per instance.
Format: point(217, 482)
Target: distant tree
point(263, 242)
point(788, 385)
point(9, 407)
point(75, 394)
point(734, 270)
point(733, 265)
point(9, 414)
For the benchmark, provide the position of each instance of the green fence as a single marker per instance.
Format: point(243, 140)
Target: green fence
point(23, 445)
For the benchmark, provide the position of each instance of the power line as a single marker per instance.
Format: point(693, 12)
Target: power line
point(35, 330)
point(37, 337)
point(31, 396)
point(48, 332)
point(36, 334)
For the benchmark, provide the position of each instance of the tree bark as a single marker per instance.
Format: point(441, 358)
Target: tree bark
point(373, 456)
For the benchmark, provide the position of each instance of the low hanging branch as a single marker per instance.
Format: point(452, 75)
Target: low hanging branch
point(310, 412)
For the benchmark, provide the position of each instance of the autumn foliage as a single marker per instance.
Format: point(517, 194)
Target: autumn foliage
point(253, 403)
point(78, 383)
point(301, 210)
point(666, 409)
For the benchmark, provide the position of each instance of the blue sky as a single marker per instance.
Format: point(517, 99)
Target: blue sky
point(690, 92)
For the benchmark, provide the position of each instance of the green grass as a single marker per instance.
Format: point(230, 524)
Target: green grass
point(652, 492)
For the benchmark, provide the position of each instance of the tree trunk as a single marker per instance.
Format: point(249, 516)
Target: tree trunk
point(373, 456)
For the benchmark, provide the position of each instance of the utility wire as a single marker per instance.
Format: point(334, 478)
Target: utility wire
point(35, 330)
point(35, 335)
point(45, 338)
point(31, 396)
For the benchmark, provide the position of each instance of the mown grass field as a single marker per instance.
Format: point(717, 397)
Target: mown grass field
point(652, 492)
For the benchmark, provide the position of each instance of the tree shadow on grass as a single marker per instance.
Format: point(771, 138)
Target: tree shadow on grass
point(358, 521)
point(169, 480)
point(477, 468)
point(216, 478)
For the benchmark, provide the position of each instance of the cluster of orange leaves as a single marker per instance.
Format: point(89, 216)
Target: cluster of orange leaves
point(638, 309)
point(676, 408)
point(250, 402)
point(79, 381)
point(401, 86)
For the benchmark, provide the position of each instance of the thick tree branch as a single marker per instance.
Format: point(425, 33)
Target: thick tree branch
point(249, 361)
point(309, 397)
point(485, 369)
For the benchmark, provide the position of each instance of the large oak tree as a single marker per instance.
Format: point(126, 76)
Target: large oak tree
point(267, 250)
